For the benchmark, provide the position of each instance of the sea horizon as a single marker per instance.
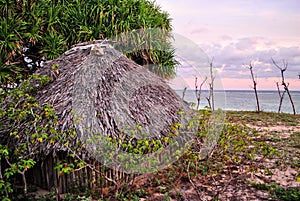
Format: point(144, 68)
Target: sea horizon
point(244, 100)
point(239, 90)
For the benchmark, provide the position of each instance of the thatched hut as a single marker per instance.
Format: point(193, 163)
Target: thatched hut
point(96, 90)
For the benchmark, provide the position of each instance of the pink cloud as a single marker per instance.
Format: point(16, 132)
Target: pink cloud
point(199, 31)
point(262, 83)
point(235, 83)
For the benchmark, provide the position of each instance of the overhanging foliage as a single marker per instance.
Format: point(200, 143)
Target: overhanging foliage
point(32, 31)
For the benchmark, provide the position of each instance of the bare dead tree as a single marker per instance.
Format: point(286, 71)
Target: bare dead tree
point(254, 86)
point(283, 83)
point(183, 93)
point(281, 95)
point(210, 99)
point(198, 89)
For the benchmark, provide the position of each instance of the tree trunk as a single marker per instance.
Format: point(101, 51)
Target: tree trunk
point(290, 97)
point(183, 93)
point(198, 91)
point(211, 86)
point(254, 87)
point(209, 102)
point(257, 102)
point(280, 97)
point(25, 182)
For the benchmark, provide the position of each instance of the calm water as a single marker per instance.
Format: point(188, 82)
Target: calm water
point(245, 100)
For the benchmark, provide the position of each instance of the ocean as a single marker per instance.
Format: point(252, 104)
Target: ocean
point(245, 100)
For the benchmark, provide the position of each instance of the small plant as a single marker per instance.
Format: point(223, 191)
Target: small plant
point(132, 196)
point(278, 192)
point(47, 197)
point(286, 194)
point(259, 186)
point(167, 197)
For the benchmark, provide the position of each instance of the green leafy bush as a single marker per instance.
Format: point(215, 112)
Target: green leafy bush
point(27, 130)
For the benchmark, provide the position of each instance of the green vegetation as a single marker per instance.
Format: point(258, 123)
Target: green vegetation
point(239, 146)
point(241, 151)
point(278, 192)
point(263, 118)
point(44, 29)
point(26, 129)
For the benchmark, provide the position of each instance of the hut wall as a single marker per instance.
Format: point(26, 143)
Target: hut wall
point(45, 176)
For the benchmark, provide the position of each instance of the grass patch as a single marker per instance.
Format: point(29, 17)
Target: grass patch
point(263, 118)
point(278, 192)
point(295, 139)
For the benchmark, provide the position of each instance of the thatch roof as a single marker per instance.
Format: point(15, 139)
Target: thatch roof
point(99, 90)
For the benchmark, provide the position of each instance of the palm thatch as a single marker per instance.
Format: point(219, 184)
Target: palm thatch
point(100, 87)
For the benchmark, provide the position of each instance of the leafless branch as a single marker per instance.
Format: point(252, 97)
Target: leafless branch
point(193, 184)
point(285, 64)
point(275, 64)
point(198, 89)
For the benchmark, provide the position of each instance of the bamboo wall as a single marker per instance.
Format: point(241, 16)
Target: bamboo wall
point(45, 176)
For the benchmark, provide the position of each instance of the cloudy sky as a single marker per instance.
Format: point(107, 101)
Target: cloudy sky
point(237, 32)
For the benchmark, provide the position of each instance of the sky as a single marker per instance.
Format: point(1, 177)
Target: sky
point(236, 32)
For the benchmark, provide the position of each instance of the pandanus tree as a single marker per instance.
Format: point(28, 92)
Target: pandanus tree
point(33, 31)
